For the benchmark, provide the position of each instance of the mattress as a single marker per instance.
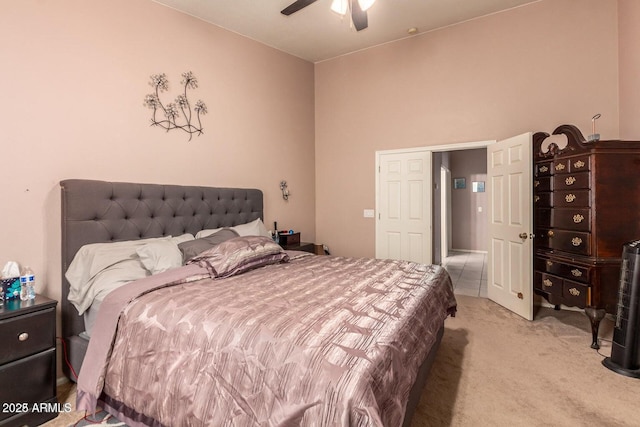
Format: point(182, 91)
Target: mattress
point(307, 340)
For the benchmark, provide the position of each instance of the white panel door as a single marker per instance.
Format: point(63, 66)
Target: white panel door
point(510, 192)
point(403, 228)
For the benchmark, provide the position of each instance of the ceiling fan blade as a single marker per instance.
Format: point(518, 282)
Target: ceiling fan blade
point(296, 6)
point(358, 16)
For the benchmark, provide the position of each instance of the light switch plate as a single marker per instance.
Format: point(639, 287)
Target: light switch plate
point(369, 213)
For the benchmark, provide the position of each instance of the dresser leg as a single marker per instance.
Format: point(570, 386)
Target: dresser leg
point(595, 315)
point(556, 307)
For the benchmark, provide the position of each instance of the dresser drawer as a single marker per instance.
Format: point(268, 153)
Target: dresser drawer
point(548, 283)
point(29, 380)
point(27, 334)
point(575, 294)
point(577, 242)
point(563, 218)
point(544, 183)
point(563, 269)
point(542, 217)
point(542, 199)
point(571, 219)
point(580, 198)
point(579, 164)
point(571, 181)
point(543, 169)
point(560, 166)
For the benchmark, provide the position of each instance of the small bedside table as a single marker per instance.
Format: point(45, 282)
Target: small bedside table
point(28, 362)
point(302, 246)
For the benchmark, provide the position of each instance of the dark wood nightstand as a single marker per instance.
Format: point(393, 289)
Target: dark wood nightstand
point(302, 246)
point(28, 362)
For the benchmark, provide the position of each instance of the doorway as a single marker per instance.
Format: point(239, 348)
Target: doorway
point(463, 221)
point(388, 232)
point(509, 198)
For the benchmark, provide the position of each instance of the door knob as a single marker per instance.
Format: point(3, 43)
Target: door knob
point(523, 235)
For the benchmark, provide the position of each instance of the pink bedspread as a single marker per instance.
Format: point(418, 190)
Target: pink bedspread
point(317, 341)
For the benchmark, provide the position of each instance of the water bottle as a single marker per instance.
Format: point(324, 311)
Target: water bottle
point(276, 236)
point(27, 285)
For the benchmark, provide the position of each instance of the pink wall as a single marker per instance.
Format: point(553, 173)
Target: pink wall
point(629, 50)
point(74, 76)
point(527, 69)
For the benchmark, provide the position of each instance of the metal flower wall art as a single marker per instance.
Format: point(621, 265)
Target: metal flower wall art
point(179, 114)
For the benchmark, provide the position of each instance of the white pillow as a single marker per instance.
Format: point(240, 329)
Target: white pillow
point(104, 266)
point(162, 255)
point(253, 228)
point(204, 233)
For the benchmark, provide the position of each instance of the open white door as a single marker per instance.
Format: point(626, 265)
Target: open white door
point(403, 228)
point(510, 192)
point(445, 211)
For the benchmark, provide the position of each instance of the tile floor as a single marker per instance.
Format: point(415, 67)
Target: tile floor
point(468, 271)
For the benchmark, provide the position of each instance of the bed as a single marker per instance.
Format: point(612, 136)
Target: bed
point(245, 333)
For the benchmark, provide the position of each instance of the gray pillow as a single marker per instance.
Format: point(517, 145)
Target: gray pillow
point(195, 247)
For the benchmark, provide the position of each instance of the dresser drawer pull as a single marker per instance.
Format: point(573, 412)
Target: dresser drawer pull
point(550, 233)
point(544, 169)
point(574, 292)
point(536, 183)
point(579, 164)
point(576, 241)
point(576, 272)
point(570, 180)
point(548, 283)
point(560, 166)
point(549, 263)
point(570, 198)
point(536, 199)
point(577, 218)
point(23, 336)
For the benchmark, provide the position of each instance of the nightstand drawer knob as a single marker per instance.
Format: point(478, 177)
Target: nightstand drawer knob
point(23, 336)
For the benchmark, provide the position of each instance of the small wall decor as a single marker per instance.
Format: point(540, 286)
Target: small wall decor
point(477, 186)
point(285, 190)
point(459, 183)
point(172, 111)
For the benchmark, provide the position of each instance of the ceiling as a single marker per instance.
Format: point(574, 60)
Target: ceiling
point(315, 33)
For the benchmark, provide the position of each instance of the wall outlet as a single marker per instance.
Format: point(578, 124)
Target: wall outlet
point(369, 213)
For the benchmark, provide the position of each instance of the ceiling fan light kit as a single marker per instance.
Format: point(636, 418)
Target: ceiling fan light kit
point(358, 10)
point(366, 4)
point(340, 6)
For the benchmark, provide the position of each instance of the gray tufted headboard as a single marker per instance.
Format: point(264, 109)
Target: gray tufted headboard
point(100, 211)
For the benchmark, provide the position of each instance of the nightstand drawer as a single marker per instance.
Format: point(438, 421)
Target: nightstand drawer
point(27, 334)
point(29, 380)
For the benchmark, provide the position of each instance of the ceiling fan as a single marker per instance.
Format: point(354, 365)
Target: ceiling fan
point(358, 10)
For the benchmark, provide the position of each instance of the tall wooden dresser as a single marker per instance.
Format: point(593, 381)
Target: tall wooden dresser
point(586, 206)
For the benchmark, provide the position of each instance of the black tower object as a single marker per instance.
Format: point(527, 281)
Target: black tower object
point(625, 349)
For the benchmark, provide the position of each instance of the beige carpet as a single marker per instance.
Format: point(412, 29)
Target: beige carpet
point(497, 369)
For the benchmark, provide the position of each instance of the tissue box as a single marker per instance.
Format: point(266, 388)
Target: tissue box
point(10, 287)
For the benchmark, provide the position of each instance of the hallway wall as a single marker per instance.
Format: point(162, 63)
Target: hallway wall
point(468, 208)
